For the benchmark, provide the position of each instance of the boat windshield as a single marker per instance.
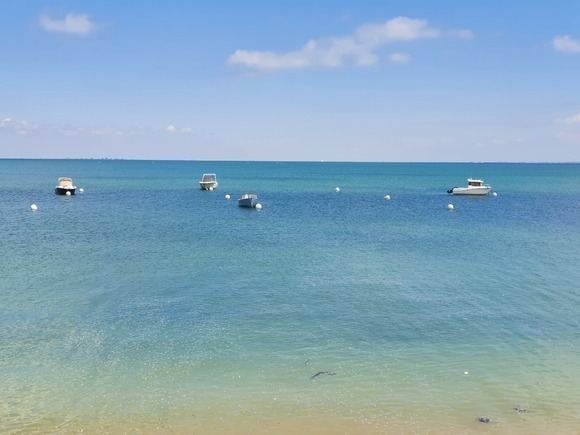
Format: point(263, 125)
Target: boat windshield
point(475, 182)
point(208, 177)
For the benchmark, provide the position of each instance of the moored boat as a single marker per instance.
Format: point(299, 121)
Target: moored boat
point(474, 187)
point(208, 181)
point(65, 187)
point(248, 200)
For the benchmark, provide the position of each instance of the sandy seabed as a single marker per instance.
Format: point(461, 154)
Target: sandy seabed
point(309, 422)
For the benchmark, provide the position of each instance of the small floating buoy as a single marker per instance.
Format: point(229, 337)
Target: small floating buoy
point(81, 190)
point(258, 206)
point(465, 373)
point(337, 189)
point(33, 207)
point(450, 207)
point(228, 196)
point(494, 193)
point(68, 193)
point(211, 189)
point(387, 197)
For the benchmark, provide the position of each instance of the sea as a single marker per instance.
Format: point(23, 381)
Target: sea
point(145, 305)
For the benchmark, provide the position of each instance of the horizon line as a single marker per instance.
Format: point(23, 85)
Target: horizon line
point(290, 161)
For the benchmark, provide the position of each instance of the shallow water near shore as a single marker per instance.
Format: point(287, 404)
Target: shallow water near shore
point(145, 304)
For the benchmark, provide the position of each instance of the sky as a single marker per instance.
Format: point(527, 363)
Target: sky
point(332, 80)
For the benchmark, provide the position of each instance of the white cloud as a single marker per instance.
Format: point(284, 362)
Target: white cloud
point(358, 48)
point(172, 129)
point(574, 119)
point(399, 58)
point(21, 127)
point(76, 24)
point(461, 33)
point(397, 29)
point(566, 44)
point(68, 131)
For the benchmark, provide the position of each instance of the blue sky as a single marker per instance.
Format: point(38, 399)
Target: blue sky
point(262, 80)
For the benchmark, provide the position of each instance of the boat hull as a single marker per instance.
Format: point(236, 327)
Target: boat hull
point(475, 191)
point(206, 185)
point(64, 190)
point(247, 202)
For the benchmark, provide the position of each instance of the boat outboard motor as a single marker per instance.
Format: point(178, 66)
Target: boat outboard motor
point(450, 190)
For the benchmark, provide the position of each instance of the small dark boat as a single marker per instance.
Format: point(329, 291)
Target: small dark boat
point(248, 200)
point(65, 187)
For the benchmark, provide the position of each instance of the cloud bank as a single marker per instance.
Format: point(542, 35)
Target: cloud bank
point(73, 24)
point(358, 48)
point(566, 44)
point(173, 129)
point(24, 128)
point(574, 119)
point(18, 127)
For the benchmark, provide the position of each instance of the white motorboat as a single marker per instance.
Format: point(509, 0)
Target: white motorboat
point(65, 187)
point(474, 187)
point(208, 182)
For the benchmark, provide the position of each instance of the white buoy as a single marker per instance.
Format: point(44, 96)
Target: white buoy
point(494, 193)
point(33, 207)
point(258, 206)
point(450, 207)
point(68, 193)
point(465, 373)
point(337, 189)
point(211, 189)
point(81, 190)
point(228, 196)
point(387, 197)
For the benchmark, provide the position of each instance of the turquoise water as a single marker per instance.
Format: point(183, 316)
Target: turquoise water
point(145, 301)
